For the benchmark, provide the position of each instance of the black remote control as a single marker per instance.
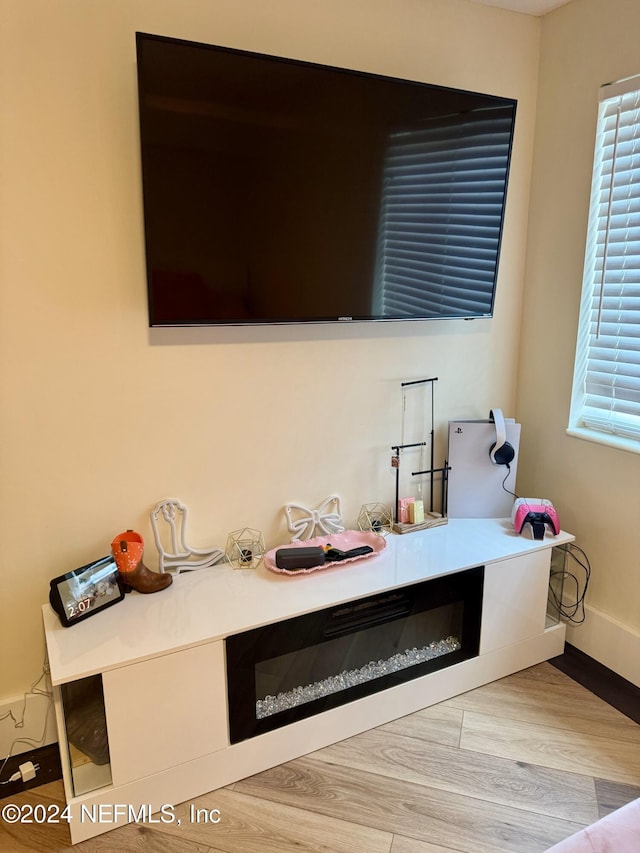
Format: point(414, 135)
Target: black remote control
point(334, 555)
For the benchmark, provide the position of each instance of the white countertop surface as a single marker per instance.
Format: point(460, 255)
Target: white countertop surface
point(213, 603)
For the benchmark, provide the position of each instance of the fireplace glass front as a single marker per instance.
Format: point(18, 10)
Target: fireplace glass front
point(290, 670)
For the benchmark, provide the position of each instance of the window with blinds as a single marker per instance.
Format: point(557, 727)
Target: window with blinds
point(441, 216)
point(606, 392)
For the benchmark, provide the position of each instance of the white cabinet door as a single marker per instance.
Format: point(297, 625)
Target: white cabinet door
point(165, 711)
point(514, 600)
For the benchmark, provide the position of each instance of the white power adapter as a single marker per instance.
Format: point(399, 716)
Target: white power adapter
point(28, 771)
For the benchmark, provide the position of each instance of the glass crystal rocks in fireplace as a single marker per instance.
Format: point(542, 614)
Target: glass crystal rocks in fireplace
point(290, 670)
point(335, 683)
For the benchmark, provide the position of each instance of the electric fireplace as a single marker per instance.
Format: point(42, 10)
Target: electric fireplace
point(283, 672)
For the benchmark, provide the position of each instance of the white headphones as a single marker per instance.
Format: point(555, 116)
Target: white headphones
point(500, 452)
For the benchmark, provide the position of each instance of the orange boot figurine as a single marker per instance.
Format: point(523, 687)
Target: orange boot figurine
point(127, 551)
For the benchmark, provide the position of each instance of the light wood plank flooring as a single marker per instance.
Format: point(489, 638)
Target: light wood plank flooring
point(513, 766)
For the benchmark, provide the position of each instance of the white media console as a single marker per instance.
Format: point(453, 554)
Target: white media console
point(160, 660)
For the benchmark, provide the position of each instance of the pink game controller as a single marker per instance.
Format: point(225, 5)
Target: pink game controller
point(537, 512)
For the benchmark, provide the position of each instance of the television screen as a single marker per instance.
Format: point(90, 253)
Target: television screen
point(280, 191)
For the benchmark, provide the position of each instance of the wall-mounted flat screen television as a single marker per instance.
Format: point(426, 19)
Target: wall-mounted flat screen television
point(280, 191)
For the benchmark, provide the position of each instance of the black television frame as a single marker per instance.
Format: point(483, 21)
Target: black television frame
point(160, 316)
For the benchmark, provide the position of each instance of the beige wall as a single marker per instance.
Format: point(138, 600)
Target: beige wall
point(100, 418)
point(584, 44)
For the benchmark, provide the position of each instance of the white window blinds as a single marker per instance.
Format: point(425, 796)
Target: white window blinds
point(441, 216)
point(606, 392)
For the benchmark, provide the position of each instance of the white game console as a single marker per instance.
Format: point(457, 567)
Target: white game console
point(483, 462)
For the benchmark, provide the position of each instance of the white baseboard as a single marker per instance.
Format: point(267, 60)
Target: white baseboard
point(35, 723)
point(608, 641)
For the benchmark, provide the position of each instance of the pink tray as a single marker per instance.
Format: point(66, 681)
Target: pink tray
point(343, 541)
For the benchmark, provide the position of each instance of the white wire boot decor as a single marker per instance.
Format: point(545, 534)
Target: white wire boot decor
point(169, 523)
point(245, 548)
point(376, 517)
point(303, 522)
